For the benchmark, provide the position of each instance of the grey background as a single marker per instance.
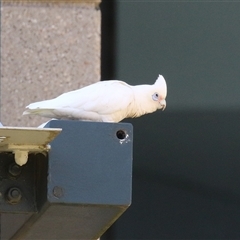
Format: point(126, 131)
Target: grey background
point(194, 45)
point(186, 160)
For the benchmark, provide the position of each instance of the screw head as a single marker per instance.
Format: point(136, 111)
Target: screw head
point(14, 169)
point(14, 195)
point(58, 192)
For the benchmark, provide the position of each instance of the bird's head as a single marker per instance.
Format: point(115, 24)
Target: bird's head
point(160, 92)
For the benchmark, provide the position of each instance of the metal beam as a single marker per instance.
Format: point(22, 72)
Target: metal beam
point(80, 188)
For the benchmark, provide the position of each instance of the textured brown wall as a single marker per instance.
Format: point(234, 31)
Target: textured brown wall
point(47, 49)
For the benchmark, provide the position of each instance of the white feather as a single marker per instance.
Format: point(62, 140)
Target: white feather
point(107, 101)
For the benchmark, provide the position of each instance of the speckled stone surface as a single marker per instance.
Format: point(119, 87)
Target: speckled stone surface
point(45, 50)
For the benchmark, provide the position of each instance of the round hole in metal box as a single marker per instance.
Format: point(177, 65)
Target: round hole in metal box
point(121, 134)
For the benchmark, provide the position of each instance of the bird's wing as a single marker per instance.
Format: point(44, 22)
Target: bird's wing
point(103, 98)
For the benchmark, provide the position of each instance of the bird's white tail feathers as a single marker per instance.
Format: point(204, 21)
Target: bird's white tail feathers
point(36, 111)
point(39, 111)
point(43, 108)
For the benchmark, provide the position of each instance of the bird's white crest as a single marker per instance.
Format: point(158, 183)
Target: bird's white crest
point(162, 84)
point(105, 101)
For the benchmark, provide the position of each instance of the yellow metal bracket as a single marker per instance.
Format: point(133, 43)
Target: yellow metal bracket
point(22, 141)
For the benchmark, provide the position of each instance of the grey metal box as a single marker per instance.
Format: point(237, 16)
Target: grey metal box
point(88, 182)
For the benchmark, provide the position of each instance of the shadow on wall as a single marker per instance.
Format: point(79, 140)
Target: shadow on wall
point(185, 177)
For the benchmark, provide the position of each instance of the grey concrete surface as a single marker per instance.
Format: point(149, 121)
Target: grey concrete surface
point(47, 48)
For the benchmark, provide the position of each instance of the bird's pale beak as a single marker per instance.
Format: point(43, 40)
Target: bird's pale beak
point(163, 104)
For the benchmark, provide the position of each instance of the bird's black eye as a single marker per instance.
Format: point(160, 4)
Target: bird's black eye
point(155, 96)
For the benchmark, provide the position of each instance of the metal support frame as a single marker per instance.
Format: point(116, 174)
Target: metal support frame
point(76, 191)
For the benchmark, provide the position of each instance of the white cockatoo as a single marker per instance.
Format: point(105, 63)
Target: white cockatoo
point(104, 101)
